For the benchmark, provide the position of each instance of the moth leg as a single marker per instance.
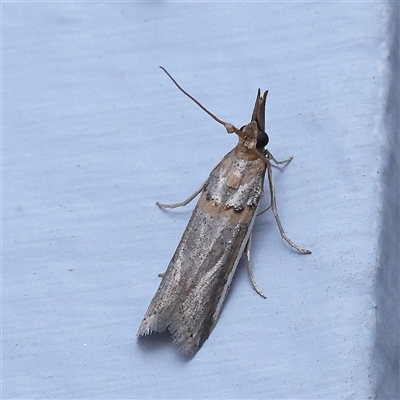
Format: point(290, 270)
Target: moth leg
point(183, 203)
point(263, 211)
point(272, 158)
point(249, 271)
point(175, 205)
point(275, 211)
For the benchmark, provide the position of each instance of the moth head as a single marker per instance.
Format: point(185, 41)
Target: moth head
point(253, 135)
point(259, 118)
point(248, 136)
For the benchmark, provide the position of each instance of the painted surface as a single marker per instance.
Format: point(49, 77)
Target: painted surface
point(94, 133)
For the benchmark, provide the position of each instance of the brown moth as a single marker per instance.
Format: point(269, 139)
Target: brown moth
point(193, 289)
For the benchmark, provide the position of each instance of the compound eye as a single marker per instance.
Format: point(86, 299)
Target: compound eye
point(262, 139)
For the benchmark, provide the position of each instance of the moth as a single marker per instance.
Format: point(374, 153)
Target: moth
point(192, 291)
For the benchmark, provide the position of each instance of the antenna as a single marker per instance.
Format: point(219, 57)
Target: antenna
point(229, 127)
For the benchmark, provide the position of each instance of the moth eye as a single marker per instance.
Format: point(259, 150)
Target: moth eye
point(262, 139)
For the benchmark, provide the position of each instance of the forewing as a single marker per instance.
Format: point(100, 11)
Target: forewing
point(191, 293)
